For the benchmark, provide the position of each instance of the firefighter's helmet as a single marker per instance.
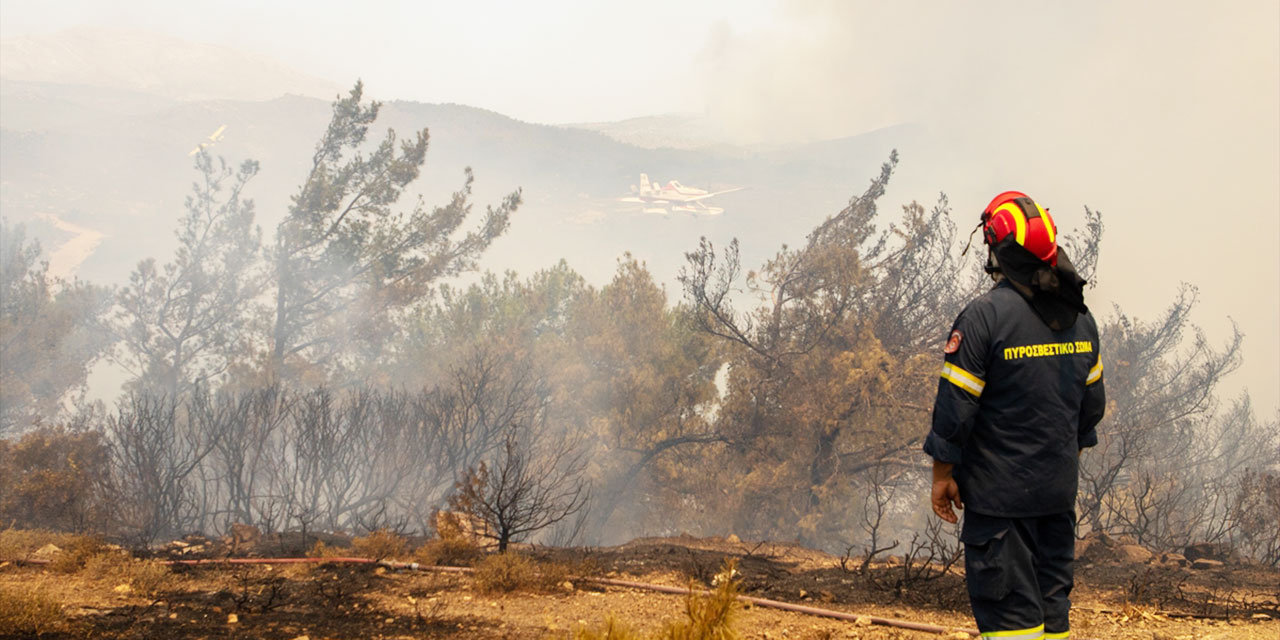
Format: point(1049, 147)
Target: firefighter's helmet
point(1014, 213)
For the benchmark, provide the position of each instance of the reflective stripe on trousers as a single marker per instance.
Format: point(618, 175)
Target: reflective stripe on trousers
point(1034, 633)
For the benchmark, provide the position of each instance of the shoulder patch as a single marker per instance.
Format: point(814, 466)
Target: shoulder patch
point(953, 344)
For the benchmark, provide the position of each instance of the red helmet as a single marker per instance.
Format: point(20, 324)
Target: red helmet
point(1013, 212)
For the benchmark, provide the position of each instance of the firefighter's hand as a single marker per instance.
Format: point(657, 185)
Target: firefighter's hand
point(945, 493)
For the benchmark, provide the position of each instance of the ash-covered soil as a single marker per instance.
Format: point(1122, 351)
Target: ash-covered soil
point(1115, 598)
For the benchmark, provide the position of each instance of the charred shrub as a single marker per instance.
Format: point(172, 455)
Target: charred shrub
point(531, 485)
point(53, 479)
point(1256, 509)
point(925, 567)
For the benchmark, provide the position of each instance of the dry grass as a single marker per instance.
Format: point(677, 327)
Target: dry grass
point(25, 614)
point(77, 552)
point(707, 617)
point(322, 550)
point(145, 577)
point(148, 577)
point(21, 544)
point(87, 555)
point(381, 545)
point(613, 629)
point(450, 548)
point(710, 617)
point(508, 572)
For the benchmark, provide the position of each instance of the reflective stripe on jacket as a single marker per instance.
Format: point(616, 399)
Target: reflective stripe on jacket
point(1016, 402)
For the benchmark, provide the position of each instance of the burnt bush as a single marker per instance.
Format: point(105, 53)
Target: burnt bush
point(52, 478)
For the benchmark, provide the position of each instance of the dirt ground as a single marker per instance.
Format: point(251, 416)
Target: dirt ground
point(1147, 601)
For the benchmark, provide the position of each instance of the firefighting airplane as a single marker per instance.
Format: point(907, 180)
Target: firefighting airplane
point(674, 196)
point(214, 137)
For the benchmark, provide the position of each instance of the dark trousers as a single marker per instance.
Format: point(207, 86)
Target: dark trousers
point(1020, 572)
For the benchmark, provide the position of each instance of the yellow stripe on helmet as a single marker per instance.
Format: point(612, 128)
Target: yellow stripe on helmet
point(1048, 223)
point(1019, 220)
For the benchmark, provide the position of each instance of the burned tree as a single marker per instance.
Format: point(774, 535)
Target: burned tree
point(526, 489)
point(1161, 412)
point(245, 431)
point(155, 448)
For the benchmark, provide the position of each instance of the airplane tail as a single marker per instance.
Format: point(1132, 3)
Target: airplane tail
point(645, 187)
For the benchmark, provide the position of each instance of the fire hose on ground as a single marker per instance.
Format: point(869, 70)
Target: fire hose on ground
point(660, 588)
point(759, 602)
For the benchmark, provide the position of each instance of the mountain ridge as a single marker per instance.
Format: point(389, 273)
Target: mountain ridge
point(112, 156)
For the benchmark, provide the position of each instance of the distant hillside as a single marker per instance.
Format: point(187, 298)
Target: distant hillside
point(101, 141)
point(670, 131)
point(126, 175)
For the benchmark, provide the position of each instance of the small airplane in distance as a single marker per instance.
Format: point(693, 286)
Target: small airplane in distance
point(214, 137)
point(673, 196)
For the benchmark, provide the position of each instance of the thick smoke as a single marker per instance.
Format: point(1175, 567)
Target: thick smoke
point(1161, 115)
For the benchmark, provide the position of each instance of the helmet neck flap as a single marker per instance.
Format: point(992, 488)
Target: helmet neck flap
point(1015, 230)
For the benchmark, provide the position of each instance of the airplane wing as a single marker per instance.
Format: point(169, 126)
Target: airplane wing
point(645, 200)
point(216, 136)
point(708, 195)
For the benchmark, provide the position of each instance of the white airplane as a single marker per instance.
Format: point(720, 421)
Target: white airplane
point(216, 136)
point(672, 197)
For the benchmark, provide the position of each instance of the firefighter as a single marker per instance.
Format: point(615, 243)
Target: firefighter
point(1020, 396)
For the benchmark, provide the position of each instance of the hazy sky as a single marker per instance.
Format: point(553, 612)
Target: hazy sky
point(552, 62)
point(1163, 115)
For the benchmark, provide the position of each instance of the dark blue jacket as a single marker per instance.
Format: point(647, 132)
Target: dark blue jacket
point(1016, 403)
